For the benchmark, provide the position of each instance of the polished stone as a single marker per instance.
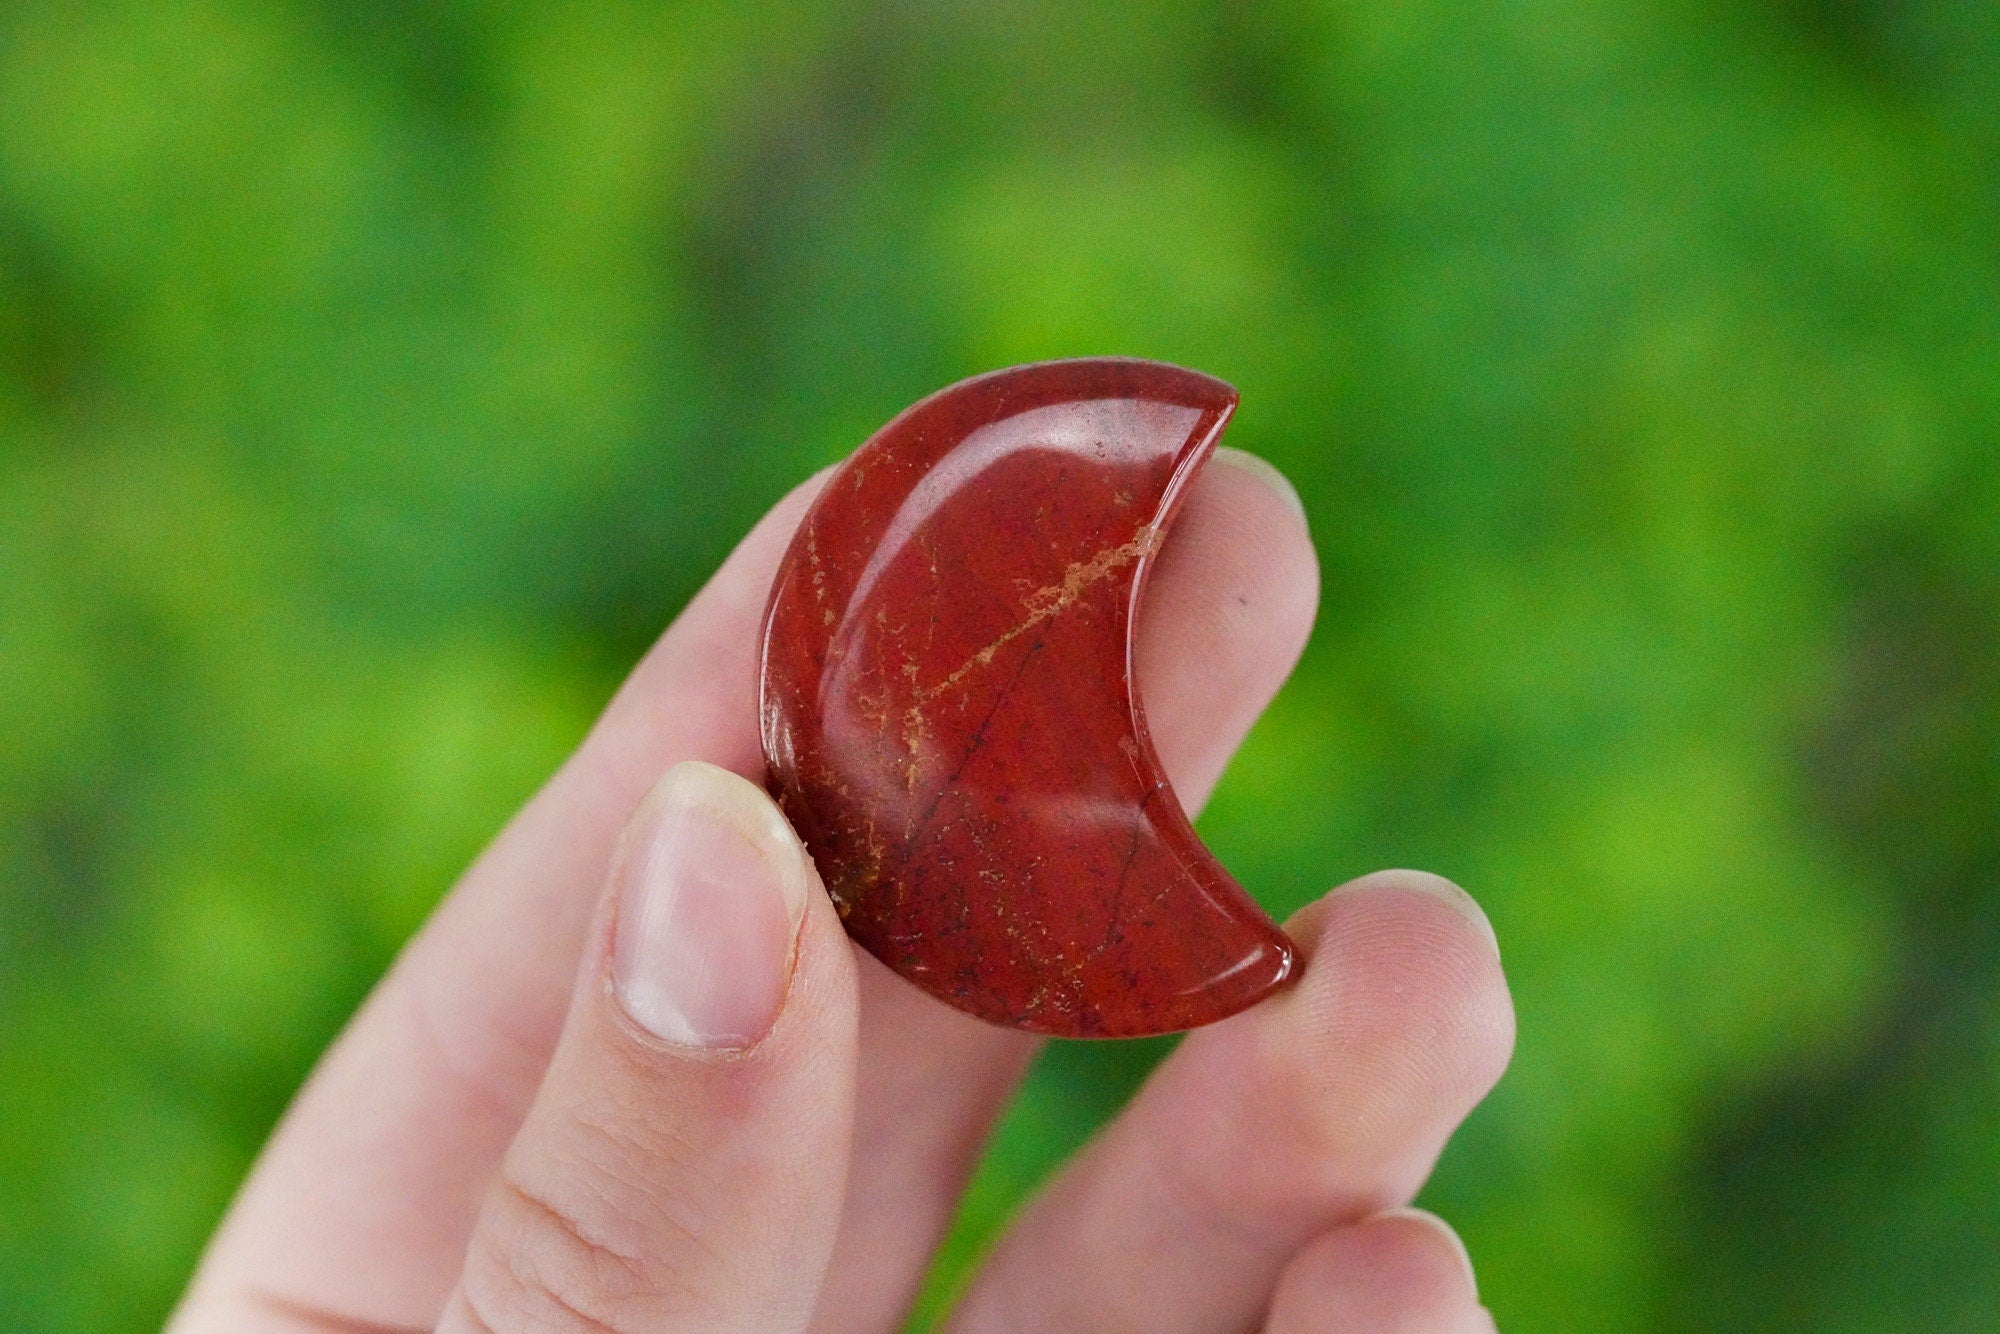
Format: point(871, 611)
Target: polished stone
point(950, 720)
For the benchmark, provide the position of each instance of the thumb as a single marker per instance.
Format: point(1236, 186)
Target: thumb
point(683, 1164)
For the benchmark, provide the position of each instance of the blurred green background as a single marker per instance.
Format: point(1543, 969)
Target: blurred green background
point(378, 377)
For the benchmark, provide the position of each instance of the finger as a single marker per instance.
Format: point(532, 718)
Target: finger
point(362, 1203)
point(1227, 612)
point(1401, 1272)
point(1320, 1107)
point(682, 1165)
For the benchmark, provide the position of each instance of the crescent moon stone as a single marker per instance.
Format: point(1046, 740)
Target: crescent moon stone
point(950, 720)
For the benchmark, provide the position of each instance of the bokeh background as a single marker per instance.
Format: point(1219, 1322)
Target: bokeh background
point(377, 377)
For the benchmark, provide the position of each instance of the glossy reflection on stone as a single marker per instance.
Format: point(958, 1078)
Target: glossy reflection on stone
point(949, 716)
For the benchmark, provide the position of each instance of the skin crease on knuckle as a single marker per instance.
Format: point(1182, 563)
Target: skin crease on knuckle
point(540, 1263)
point(659, 1186)
point(547, 1244)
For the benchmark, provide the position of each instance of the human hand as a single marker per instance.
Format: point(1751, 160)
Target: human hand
point(648, 1084)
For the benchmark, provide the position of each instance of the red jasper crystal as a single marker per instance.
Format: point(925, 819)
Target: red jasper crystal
point(949, 715)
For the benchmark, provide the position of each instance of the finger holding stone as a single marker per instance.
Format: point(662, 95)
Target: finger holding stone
point(1224, 619)
point(1322, 1106)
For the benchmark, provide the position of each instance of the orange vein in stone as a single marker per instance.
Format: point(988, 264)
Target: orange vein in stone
point(1044, 603)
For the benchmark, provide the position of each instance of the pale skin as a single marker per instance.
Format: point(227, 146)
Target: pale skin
point(502, 1140)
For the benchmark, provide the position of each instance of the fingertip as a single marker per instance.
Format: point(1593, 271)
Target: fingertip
point(1402, 881)
point(1400, 1270)
point(1266, 473)
point(1250, 505)
point(1404, 967)
point(1228, 608)
point(1441, 1231)
point(710, 887)
point(1400, 1023)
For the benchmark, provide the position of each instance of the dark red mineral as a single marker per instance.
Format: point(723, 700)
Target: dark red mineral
point(949, 714)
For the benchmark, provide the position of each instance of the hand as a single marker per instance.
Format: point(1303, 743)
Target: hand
point(507, 1139)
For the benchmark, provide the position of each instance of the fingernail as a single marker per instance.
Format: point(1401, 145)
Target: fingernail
point(1265, 471)
point(1445, 1231)
point(712, 886)
point(1439, 888)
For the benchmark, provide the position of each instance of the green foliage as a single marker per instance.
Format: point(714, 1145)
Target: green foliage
point(376, 378)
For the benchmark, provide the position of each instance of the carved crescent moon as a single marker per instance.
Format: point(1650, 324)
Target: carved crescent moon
point(949, 715)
